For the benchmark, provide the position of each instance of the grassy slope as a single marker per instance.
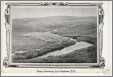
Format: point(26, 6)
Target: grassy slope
point(86, 54)
point(50, 42)
point(78, 56)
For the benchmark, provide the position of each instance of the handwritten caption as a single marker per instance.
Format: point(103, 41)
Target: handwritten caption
point(56, 70)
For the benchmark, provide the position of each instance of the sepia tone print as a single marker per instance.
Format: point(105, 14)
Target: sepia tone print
point(55, 34)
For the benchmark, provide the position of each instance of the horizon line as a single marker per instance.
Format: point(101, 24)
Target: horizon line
point(53, 16)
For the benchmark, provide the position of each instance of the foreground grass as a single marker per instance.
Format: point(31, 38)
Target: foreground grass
point(83, 55)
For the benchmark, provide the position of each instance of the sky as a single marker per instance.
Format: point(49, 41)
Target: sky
point(44, 11)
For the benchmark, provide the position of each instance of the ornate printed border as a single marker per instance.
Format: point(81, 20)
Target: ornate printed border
point(100, 63)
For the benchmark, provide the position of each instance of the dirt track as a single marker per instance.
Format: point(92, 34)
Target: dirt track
point(77, 46)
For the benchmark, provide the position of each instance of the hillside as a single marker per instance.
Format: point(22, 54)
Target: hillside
point(28, 35)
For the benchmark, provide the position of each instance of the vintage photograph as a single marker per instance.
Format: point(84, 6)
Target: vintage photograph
point(54, 34)
point(56, 38)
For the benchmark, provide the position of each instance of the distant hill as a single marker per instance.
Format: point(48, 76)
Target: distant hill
point(62, 25)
